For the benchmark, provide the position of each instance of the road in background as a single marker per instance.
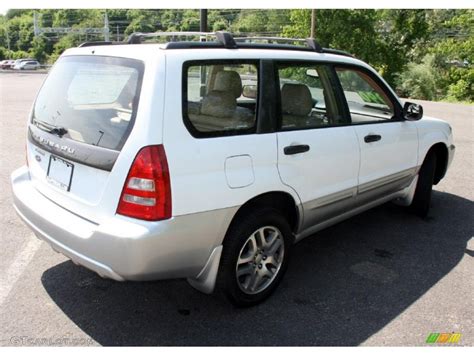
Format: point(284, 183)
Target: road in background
point(384, 277)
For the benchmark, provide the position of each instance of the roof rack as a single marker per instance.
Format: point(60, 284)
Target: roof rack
point(98, 43)
point(137, 37)
point(223, 39)
point(310, 42)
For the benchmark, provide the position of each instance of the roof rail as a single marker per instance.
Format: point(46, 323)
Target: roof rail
point(97, 43)
point(309, 42)
point(225, 39)
point(269, 39)
point(136, 38)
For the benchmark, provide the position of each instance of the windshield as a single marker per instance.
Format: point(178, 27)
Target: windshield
point(91, 99)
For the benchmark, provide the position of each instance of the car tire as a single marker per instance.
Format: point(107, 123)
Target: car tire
point(255, 256)
point(422, 198)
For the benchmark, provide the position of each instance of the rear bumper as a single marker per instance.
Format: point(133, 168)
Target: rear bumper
point(122, 248)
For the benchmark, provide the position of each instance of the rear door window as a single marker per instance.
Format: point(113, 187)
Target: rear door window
point(308, 97)
point(91, 99)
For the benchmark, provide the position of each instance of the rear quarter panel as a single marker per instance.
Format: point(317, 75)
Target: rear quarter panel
point(197, 165)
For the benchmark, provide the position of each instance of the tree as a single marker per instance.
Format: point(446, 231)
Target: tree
point(270, 22)
point(420, 80)
point(143, 21)
point(38, 49)
point(394, 42)
point(350, 30)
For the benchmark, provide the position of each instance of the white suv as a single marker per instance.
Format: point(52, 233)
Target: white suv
point(208, 160)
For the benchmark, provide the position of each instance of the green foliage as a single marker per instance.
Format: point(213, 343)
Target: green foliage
point(420, 80)
point(251, 21)
point(17, 54)
point(68, 41)
point(351, 30)
point(460, 91)
point(424, 53)
point(3, 53)
point(38, 49)
point(300, 75)
point(451, 45)
point(142, 21)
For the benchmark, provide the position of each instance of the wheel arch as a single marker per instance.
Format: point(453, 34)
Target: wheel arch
point(441, 151)
point(280, 200)
point(206, 279)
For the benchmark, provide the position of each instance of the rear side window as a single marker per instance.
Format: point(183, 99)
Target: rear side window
point(92, 98)
point(220, 98)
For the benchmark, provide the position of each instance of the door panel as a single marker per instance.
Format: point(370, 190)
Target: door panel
point(395, 152)
point(325, 177)
point(388, 145)
point(318, 152)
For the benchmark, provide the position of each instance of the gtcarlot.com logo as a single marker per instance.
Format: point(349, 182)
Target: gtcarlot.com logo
point(50, 341)
point(443, 338)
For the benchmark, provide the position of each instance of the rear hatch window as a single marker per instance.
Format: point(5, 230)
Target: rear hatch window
point(90, 100)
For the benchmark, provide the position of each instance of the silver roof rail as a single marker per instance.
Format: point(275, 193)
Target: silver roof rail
point(136, 38)
point(223, 39)
point(310, 42)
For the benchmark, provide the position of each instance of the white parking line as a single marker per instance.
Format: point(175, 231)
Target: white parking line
point(17, 267)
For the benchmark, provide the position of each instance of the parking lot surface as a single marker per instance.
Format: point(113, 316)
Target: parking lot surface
point(384, 277)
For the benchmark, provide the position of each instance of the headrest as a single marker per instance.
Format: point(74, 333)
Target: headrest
point(228, 80)
point(218, 104)
point(296, 100)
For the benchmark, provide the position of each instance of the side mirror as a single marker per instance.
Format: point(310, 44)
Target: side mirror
point(249, 91)
point(412, 111)
point(312, 73)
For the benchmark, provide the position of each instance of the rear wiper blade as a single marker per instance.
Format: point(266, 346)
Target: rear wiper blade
point(59, 131)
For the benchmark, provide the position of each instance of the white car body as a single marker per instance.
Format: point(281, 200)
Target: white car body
point(212, 178)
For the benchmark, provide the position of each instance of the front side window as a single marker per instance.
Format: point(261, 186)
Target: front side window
point(367, 100)
point(308, 99)
point(220, 98)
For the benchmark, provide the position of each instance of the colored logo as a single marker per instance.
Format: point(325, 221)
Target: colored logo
point(443, 338)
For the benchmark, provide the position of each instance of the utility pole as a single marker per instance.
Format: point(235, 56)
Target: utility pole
point(203, 28)
point(8, 38)
point(35, 24)
point(203, 20)
point(65, 30)
point(106, 28)
point(118, 35)
point(4, 24)
point(313, 23)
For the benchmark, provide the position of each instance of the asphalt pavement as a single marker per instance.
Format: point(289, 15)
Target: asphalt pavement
point(384, 277)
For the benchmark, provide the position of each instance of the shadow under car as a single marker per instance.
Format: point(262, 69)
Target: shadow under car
point(340, 288)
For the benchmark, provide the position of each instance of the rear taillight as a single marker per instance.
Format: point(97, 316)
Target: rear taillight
point(147, 191)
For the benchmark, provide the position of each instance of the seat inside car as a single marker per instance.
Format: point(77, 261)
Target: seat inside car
point(296, 105)
point(219, 109)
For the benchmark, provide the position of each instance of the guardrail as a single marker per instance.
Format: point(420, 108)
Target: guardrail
point(41, 70)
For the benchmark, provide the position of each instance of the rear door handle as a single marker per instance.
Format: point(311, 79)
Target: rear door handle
point(372, 138)
point(296, 149)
